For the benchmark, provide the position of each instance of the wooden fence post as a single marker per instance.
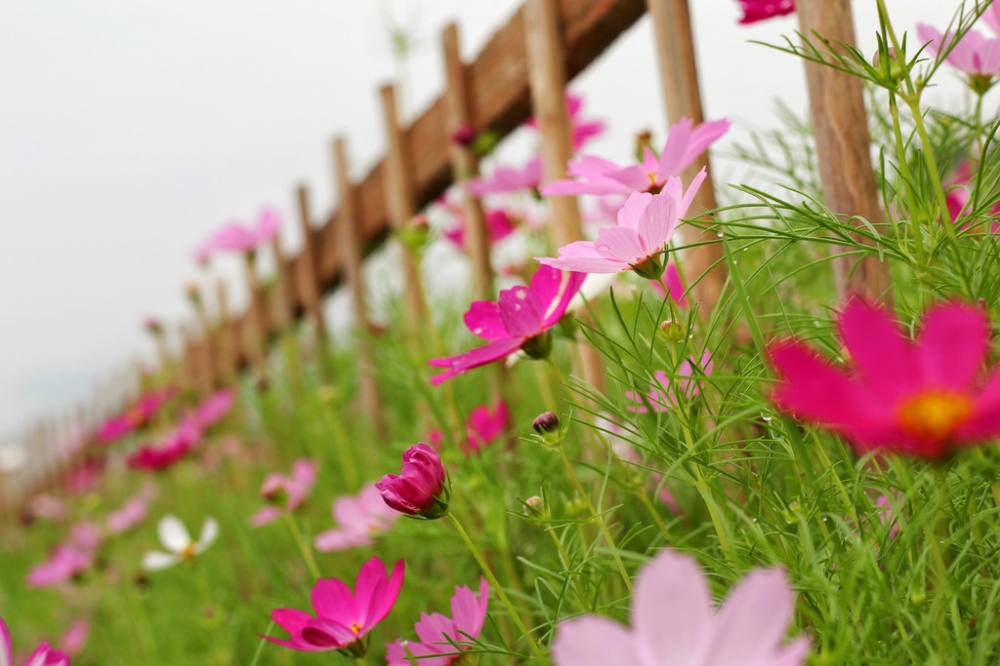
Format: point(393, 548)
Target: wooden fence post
point(309, 281)
point(256, 322)
point(704, 265)
point(207, 353)
point(281, 312)
point(843, 145)
point(399, 195)
point(349, 242)
point(225, 341)
point(547, 77)
point(465, 164)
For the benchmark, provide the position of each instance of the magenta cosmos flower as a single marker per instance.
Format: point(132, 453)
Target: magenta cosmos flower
point(235, 237)
point(976, 54)
point(286, 493)
point(674, 623)
point(421, 487)
point(360, 518)
point(169, 451)
point(645, 224)
point(499, 225)
point(443, 636)
point(214, 408)
point(921, 398)
point(342, 619)
point(486, 425)
point(761, 10)
point(520, 319)
point(674, 286)
point(44, 655)
point(596, 175)
point(137, 416)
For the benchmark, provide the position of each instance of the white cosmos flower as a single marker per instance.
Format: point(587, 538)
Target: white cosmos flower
point(176, 539)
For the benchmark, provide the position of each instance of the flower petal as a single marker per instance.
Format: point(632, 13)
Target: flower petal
point(671, 609)
point(952, 345)
point(593, 641)
point(474, 358)
point(521, 312)
point(155, 560)
point(887, 360)
point(173, 535)
point(209, 533)
point(483, 320)
point(753, 619)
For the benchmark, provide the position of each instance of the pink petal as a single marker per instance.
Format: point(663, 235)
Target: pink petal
point(620, 244)
point(674, 150)
point(631, 212)
point(556, 312)
point(657, 223)
point(385, 597)
point(483, 319)
point(593, 641)
point(953, 344)
point(545, 284)
point(332, 600)
point(469, 612)
point(521, 312)
point(671, 609)
point(886, 359)
point(753, 620)
point(474, 358)
point(6, 650)
point(582, 256)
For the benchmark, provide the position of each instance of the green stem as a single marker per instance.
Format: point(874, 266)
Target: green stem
point(495, 584)
point(307, 555)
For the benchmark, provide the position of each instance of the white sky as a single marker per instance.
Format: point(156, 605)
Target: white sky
point(129, 131)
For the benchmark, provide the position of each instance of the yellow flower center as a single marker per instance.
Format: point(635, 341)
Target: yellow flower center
point(933, 416)
point(188, 552)
point(356, 628)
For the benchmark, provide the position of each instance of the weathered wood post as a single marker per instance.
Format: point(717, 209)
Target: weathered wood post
point(703, 265)
point(349, 242)
point(281, 311)
point(226, 342)
point(547, 76)
point(843, 145)
point(309, 272)
point(465, 163)
point(256, 320)
point(399, 198)
point(206, 350)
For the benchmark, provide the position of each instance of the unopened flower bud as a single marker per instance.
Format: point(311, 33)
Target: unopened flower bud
point(643, 141)
point(672, 331)
point(415, 233)
point(534, 506)
point(545, 423)
point(464, 135)
point(193, 294)
point(421, 489)
point(153, 325)
point(273, 491)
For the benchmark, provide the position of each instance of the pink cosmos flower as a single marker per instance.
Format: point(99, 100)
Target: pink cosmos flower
point(645, 224)
point(959, 191)
point(444, 636)
point(499, 225)
point(47, 507)
point(674, 623)
point(975, 54)
point(360, 517)
point(214, 408)
point(921, 398)
point(486, 426)
point(506, 180)
point(675, 287)
point(44, 655)
point(169, 451)
point(234, 237)
point(520, 319)
point(420, 488)
point(662, 394)
point(85, 535)
point(84, 477)
point(65, 563)
point(286, 493)
point(131, 515)
point(582, 130)
point(137, 416)
point(75, 637)
point(760, 10)
point(597, 175)
point(342, 618)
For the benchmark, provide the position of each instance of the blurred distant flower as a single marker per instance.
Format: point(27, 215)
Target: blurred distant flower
point(486, 426)
point(596, 175)
point(499, 225)
point(760, 10)
point(65, 563)
point(86, 535)
point(675, 287)
point(976, 55)
point(153, 325)
point(169, 451)
point(420, 489)
point(86, 475)
point(582, 130)
point(440, 635)
point(137, 416)
point(674, 623)
point(662, 395)
point(286, 493)
point(177, 540)
point(235, 237)
point(360, 518)
point(214, 408)
point(47, 507)
point(507, 180)
point(521, 319)
point(959, 193)
point(342, 619)
point(132, 513)
point(74, 639)
point(44, 655)
point(464, 135)
point(628, 453)
point(920, 398)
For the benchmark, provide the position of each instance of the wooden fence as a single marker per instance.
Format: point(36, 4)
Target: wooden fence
point(520, 71)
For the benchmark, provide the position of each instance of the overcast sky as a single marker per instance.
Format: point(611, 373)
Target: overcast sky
point(129, 131)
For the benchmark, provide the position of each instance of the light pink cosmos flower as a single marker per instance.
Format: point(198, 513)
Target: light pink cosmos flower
point(47, 507)
point(921, 398)
point(65, 563)
point(674, 623)
point(75, 637)
point(214, 408)
point(131, 515)
point(169, 451)
point(287, 493)
point(420, 489)
point(44, 655)
point(645, 224)
point(760, 10)
point(663, 392)
point(444, 636)
point(675, 287)
point(596, 175)
point(485, 425)
point(975, 54)
point(84, 477)
point(507, 180)
point(342, 618)
point(85, 535)
point(235, 237)
point(959, 191)
point(360, 517)
point(520, 319)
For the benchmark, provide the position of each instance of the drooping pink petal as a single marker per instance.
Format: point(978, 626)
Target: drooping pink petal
point(753, 620)
point(474, 358)
point(952, 345)
point(671, 609)
point(594, 641)
point(582, 256)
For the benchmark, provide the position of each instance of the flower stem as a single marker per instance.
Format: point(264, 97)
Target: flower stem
point(495, 584)
point(307, 555)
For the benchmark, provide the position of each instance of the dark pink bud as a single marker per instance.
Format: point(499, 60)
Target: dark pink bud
point(464, 135)
point(420, 489)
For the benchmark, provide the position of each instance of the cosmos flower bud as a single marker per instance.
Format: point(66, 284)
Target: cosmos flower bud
point(464, 135)
point(545, 423)
point(420, 489)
